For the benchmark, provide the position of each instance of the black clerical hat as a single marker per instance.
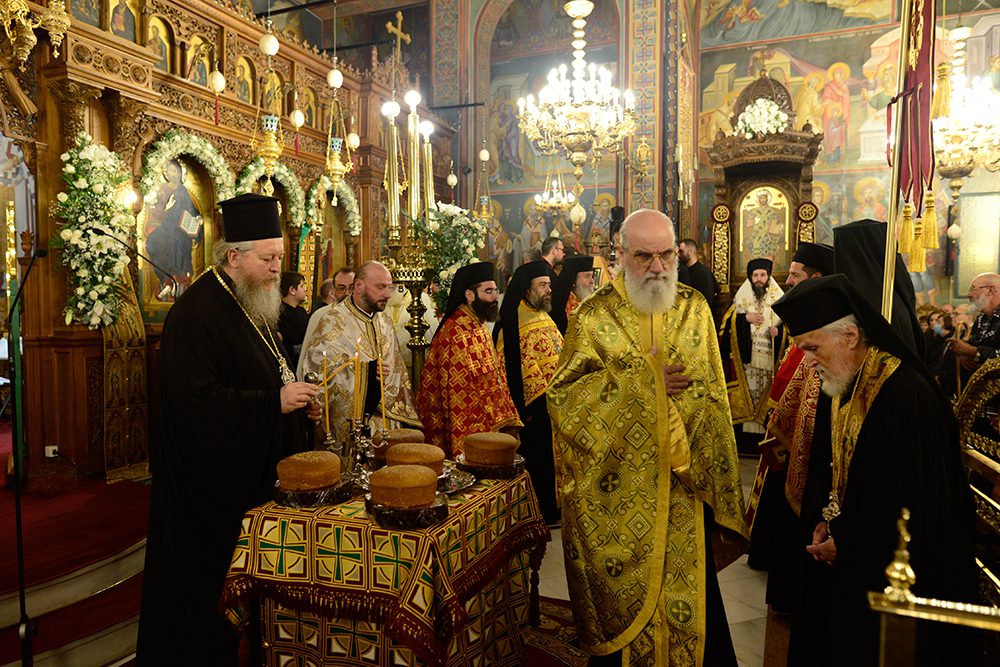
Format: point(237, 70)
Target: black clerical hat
point(563, 285)
point(250, 217)
point(759, 263)
point(859, 253)
point(509, 325)
point(818, 256)
point(465, 278)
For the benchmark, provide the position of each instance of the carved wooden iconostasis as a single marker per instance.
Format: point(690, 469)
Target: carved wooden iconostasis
point(763, 192)
point(134, 75)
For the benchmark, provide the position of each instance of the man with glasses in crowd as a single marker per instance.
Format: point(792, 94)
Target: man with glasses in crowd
point(984, 342)
point(642, 434)
point(463, 388)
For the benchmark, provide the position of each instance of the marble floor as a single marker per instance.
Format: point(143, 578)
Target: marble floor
point(742, 589)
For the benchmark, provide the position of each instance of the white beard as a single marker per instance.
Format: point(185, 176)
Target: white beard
point(582, 292)
point(652, 294)
point(263, 305)
point(976, 306)
point(834, 387)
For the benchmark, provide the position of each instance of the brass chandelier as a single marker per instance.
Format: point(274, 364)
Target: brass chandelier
point(582, 115)
point(19, 24)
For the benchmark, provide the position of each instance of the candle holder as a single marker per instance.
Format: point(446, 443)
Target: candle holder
point(358, 446)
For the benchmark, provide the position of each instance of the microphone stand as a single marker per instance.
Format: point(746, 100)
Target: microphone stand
point(135, 251)
point(25, 627)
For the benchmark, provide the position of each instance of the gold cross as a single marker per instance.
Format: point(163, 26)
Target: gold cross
point(397, 30)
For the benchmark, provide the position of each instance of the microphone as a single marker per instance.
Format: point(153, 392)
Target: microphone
point(176, 289)
point(39, 252)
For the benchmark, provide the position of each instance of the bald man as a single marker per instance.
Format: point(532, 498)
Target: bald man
point(361, 317)
point(984, 341)
point(641, 429)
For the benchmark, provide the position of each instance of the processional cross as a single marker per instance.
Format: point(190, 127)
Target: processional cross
point(397, 30)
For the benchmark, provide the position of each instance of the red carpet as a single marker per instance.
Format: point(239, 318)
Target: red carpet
point(553, 642)
point(77, 621)
point(5, 449)
point(72, 529)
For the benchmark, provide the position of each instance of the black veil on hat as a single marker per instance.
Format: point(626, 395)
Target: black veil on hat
point(562, 286)
point(815, 303)
point(517, 289)
point(859, 253)
point(465, 278)
point(250, 217)
point(759, 263)
point(818, 256)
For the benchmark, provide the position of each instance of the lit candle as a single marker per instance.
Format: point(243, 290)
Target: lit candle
point(358, 405)
point(381, 386)
point(326, 395)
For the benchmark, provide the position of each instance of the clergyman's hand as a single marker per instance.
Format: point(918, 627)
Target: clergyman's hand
point(314, 410)
point(673, 379)
point(295, 395)
point(962, 348)
point(968, 363)
point(755, 318)
point(773, 331)
point(823, 548)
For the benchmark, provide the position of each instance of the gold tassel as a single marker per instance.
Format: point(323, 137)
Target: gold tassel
point(941, 105)
point(906, 229)
point(918, 255)
point(929, 227)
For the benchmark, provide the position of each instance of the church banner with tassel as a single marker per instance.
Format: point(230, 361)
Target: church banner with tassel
point(918, 229)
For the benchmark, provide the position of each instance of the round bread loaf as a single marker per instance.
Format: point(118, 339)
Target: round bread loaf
point(403, 486)
point(491, 449)
point(308, 471)
point(395, 437)
point(416, 454)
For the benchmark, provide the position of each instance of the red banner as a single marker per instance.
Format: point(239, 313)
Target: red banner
point(916, 155)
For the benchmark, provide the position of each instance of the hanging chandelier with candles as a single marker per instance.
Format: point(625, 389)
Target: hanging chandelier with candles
point(19, 24)
point(555, 197)
point(337, 136)
point(967, 132)
point(579, 114)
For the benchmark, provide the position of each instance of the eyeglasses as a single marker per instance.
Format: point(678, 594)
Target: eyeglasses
point(645, 259)
point(975, 288)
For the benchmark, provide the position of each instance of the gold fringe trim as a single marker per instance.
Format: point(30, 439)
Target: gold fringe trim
point(929, 235)
point(941, 105)
point(918, 254)
point(906, 229)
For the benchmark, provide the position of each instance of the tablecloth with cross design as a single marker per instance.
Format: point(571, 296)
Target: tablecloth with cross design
point(336, 588)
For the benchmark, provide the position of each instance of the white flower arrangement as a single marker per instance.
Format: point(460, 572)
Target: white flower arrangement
point(175, 143)
point(452, 238)
point(96, 262)
point(345, 198)
point(282, 174)
point(761, 117)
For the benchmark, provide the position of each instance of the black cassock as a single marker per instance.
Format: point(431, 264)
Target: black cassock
point(220, 434)
point(907, 455)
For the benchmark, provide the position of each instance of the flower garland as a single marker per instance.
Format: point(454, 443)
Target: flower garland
point(174, 143)
point(93, 175)
point(761, 117)
point(282, 174)
point(452, 239)
point(345, 197)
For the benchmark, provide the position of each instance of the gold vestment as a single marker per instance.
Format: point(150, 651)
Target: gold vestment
point(337, 333)
point(634, 541)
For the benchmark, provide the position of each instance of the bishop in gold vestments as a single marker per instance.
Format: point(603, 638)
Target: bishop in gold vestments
point(646, 463)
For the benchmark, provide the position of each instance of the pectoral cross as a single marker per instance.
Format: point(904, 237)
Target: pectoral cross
point(401, 36)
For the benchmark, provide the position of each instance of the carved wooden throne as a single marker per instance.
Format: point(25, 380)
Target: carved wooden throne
point(779, 164)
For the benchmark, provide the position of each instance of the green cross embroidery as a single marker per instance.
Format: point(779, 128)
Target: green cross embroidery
point(281, 547)
point(394, 561)
point(477, 527)
point(453, 553)
point(338, 554)
point(519, 502)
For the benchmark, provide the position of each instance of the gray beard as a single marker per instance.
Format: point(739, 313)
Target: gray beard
point(583, 292)
point(263, 305)
point(834, 387)
point(652, 295)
